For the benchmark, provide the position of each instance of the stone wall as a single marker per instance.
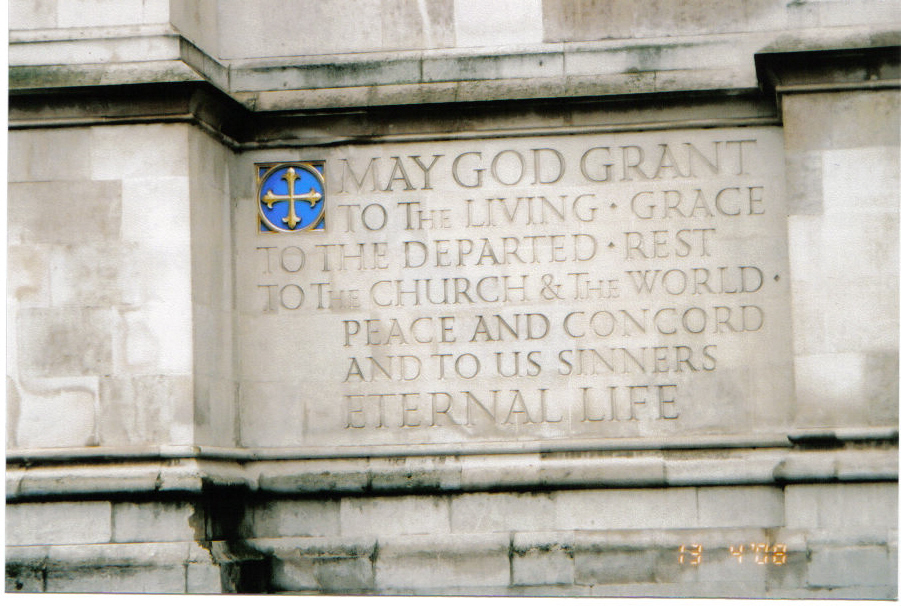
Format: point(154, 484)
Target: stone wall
point(161, 437)
point(844, 214)
point(813, 540)
point(99, 329)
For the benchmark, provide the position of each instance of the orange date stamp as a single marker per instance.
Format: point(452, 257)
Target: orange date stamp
point(761, 554)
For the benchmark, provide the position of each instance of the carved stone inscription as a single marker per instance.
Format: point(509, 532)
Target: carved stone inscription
point(628, 285)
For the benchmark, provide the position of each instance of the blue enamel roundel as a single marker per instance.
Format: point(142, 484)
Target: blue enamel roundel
point(292, 198)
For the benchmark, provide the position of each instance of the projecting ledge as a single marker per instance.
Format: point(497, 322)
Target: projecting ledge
point(437, 474)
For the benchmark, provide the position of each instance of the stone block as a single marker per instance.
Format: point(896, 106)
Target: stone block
point(426, 24)
point(841, 245)
point(84, 62)
point(855, 119)
point(118, 422)
point(138, 151)
point(677, 65)
point(343, 574)
point(215, 411)
point(414, 474)
point(611, 471)
point(828, 13)
point(156, 339)
point(702, 17)
point(736, 468)
point(867, 466)
point(483, 89)
point(257, 349)
point(286, 518)
point(627, 508)
point(53, 154)
point(93, 13)
point(497, 512)
point(157, 274)
point(615, 567)
point(33, 556)
point(504, 22)
point(395, 515)
point(880, 375)
point(64, 342)
point(448, 561)
point(155, 11)
point(540, 591)
point(259, 403)
point(148, 408)
point(841, 505)
point(722, 564)
point(58, 523)
point(852, 322)
point(792, 573)
point(92, 210)
point(91, 479)
point(491, 67)
point(330, 574)
point(319, 547)
point(25, 579)
point(210, 159)
point(858, 322)
point(294, 575)
point(314, 476)
point(860, 181)
point(166, 402)
point(140, 522)
point(203, 579)
point(14, 477)
point(804, 182)
point(850, 567)
point(117, 579)
point(542, 559)
point(830, 388)
point(54, 412)
point(569, 21)
point(486, 472)
point(881, 592)
point(718, 589)
point(28, 276)
point(339, 72)
point(211, 277)
point(155, 209)
point(130, 555)
point(361, 33)
point(86, 275)
point(331, 565)
point(31, 14)
point(737, 506)
point(808, 320)
point(198, 22)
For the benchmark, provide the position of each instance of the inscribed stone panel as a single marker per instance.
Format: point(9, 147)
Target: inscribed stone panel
point(591, 286)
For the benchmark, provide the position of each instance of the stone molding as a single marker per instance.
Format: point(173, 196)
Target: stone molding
point(67, 58)
point(179, 474)
point(200, 104)
point(792, 66)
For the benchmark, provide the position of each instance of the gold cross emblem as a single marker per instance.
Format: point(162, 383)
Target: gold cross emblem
point(312, 198)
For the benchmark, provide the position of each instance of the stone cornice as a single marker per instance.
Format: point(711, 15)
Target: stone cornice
point(62, 59)
point(793, 65)
point(873, 461)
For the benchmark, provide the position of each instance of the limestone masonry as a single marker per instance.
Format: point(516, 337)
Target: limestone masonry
point(448, 297)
